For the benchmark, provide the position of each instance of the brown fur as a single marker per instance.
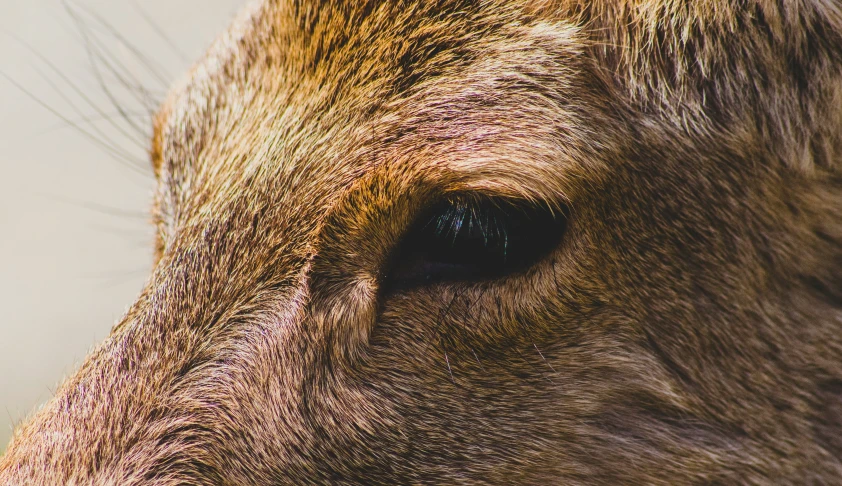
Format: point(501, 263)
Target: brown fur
point(686, 330)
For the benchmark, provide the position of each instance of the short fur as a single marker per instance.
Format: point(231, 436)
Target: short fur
point(686, 330)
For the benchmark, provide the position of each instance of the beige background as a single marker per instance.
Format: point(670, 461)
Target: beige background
point(75, 244)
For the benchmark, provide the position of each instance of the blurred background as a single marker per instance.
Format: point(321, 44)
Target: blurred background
point(79, 80)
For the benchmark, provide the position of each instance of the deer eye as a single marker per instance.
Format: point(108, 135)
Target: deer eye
point(465, 239)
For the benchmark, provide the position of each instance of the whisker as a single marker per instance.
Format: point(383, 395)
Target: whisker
point(481, 367)
point(157, 29)
point(442, 316)
point(155, 69)
point(110, 95)
point(542, 357)
point(128, 234)
point(96, 51)
point(111, 279)
point(121, 73)
point(533, 365)
point(132, 163)
point(12, 422)
point(99, 208)
point(79, 92)
point(92, 119)
point(79, 112)
point(448, 368)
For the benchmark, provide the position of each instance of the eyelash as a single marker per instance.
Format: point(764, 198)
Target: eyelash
point(452, 221)
point(472, 239)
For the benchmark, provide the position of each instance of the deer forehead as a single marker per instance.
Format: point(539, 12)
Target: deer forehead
point(268, 114)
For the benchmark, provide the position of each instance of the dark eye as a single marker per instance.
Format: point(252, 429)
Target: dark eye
point(466, 239)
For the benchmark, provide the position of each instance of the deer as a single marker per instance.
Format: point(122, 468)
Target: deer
point(498, 242)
